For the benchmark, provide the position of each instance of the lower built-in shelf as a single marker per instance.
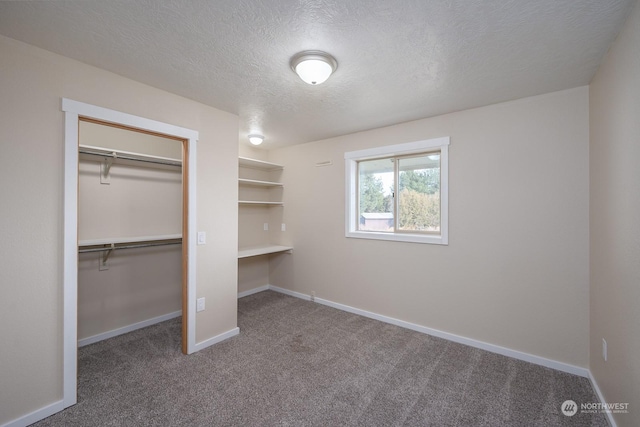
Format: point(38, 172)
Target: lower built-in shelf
point(259, 203)
point(262, 250)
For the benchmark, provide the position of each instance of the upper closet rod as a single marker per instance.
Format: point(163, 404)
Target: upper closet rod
point(126, 156)
point(140, 245)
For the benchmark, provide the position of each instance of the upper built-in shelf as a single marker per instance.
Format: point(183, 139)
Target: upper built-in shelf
point(258, 164)
point(256, 183)
point(263, 250)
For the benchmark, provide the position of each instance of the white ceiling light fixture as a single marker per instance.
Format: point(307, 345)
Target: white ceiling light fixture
point(313, 66)
point(256, 139)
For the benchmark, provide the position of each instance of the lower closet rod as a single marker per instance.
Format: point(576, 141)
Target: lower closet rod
point(142, 245)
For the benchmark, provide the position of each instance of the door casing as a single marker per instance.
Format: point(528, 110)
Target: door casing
point(74, 111)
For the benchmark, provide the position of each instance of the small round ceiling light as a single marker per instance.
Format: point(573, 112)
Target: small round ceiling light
point(256, 139)
point(313, 66)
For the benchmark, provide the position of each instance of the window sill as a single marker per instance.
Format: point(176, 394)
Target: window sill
point(397, 237)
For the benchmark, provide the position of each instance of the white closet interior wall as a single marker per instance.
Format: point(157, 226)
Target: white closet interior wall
point(140, 200)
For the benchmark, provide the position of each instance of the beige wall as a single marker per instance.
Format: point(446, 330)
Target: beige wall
point(614, 221)
point(515, 272)
point(115, 138)
point(139, 285)
point(32, 83)
point(245, 149)
point(253, 272)
point(140, 200)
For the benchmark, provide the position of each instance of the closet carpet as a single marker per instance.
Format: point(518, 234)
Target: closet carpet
point(297, 363)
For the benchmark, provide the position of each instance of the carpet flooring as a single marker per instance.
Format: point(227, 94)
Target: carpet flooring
point(297, 363)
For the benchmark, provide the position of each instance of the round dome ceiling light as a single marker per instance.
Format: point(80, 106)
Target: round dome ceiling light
point(256, 139)
point(313, 66)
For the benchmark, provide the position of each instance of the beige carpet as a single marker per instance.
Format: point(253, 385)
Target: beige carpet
point(297, 363)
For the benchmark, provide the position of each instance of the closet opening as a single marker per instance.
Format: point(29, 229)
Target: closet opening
point(107, 253)
point(131, 223)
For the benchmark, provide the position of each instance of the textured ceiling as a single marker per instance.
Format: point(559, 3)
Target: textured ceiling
point(398, 60)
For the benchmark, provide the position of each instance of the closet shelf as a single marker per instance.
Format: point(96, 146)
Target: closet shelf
point(119, 155)
point(122, 240)
point(258, 164)
point(259, 203)
point(256, 183)
point(109, 245)
point(262, 250)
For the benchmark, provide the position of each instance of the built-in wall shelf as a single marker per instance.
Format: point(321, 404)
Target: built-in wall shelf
point(258, 164)
point(262, 250)
point(264, 180)
point(257, 183)
point(259, 203)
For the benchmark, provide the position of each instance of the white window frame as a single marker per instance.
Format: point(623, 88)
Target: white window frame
point(351, 201)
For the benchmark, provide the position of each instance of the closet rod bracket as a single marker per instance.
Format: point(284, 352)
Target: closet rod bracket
point(107, 253)
point(105, 169)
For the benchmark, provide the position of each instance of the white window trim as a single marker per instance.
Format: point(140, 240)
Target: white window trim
point(351, 174)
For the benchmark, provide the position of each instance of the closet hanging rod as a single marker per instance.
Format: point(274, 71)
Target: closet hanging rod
point(129, 240)
point(135, 246)
point(116, 155)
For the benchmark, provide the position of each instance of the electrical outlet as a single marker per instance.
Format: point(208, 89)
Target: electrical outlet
point(313, 295)
point(200, 304)
point(284, 227)
point(266, 226)
point(604, 349)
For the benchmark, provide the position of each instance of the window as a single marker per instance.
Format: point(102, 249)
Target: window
point(399, 192)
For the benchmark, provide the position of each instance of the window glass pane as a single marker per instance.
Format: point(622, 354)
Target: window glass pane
point(375, 192)
point(419, 193)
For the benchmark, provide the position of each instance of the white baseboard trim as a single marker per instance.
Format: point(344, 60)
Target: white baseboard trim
point(292, 293)
point(553, 364)
point(215, 340)
point(36, 415)
point(129, 328)
point(253, 291)
point(594, 384)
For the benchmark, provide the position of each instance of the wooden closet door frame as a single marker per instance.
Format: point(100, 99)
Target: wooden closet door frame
point(74, 111)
